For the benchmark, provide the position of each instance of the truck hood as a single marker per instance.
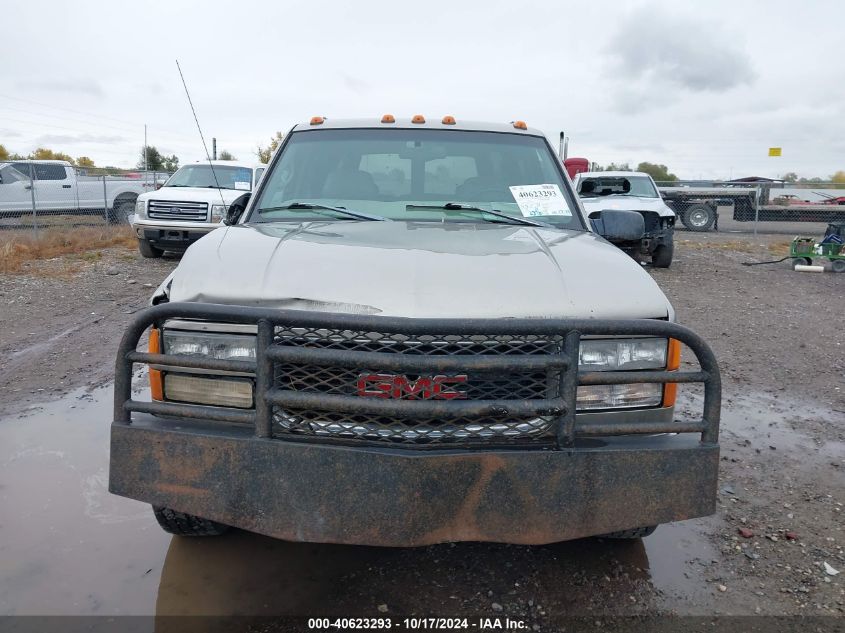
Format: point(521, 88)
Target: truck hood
point(418, 269)
point(194, 194)
point(627, 203)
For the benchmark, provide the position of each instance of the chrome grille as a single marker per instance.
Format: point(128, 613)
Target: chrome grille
point(177, 210)
point(478, 385)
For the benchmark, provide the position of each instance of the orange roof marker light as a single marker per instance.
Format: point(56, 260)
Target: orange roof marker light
point(519, 125)
point(388, 118)
point(418, 118)
point(448, 120)
point(317, 120)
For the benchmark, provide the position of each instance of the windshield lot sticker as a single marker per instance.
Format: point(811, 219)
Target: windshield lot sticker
point(534, 200)
point(242, 185)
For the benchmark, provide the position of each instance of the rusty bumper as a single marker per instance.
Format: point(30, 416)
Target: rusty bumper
point(394, 497)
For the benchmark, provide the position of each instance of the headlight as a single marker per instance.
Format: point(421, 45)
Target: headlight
point(216, 390)
point(621, 355)
point(140, 208)
point(648, 394)
point(218, 212)
point(210, 345)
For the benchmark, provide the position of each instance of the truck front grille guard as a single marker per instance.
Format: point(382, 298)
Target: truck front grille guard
point(270, 354)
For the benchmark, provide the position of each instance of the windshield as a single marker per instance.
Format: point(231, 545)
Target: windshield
point(640, 186)
point(228, 177)
point(408, 174)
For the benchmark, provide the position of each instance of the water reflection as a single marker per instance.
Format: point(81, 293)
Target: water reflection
point(243, 573)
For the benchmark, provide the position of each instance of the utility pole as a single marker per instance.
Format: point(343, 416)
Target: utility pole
point(214, 148)
point(145, 147)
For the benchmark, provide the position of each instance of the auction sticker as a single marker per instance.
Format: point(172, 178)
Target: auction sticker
point(534, 200)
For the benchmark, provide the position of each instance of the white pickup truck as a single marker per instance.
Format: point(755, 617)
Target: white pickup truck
point(53, 187)
point(191, 203)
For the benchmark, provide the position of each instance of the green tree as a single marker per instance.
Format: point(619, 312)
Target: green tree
point(790, 177)
point(42, 153)
point(4, 153)
point(617, 167)
point(227, 155)
point(84, 161)
point(151, 158)
point(660, 173)
point(266, 153)
point(838, 177)
point(171, 163)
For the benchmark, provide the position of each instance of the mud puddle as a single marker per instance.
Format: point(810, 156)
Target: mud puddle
point(69, 547)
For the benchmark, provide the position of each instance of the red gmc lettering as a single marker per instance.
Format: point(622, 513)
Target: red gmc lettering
point(399, 386)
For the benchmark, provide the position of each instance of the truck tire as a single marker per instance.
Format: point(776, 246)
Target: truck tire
point(640, 532)
point(699, 217)
point(148, 250)
point(662, 255)
point(120, 212)
point(183, 524)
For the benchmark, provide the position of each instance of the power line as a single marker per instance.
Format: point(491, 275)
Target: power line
point(135, 126)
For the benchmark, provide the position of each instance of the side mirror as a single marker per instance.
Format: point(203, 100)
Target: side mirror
point(236, 209)
point(619, 226)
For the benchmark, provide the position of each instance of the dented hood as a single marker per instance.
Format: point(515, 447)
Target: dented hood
point(418, 269)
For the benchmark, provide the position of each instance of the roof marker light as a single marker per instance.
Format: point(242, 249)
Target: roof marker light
point(317, 120)
point(418, 118)
point(448, 120)
point(388, 118)
point(520, 125)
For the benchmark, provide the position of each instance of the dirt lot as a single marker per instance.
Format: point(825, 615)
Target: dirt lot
point(70, 547)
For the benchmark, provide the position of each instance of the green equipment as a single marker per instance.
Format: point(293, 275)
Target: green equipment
point(832, 246)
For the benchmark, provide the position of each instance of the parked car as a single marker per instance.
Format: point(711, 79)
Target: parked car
point(57, 187)
point(191, 203)
point(410, 334)
point(632, 191)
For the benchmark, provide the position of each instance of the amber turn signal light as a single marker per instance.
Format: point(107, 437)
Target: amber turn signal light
point(156, 389)
point(673, 362)
point(448, 120)
point(317, 120)
point(418, 118)
point(520, 125)
point(388, 118)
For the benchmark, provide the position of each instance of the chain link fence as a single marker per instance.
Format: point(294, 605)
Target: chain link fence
point(38, 195)
point(755, 206)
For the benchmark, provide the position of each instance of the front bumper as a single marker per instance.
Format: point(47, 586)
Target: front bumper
point(394, 497)
point(172, 236)
point(595, 473)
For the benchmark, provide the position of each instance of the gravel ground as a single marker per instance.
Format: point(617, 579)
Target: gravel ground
point(770, 549)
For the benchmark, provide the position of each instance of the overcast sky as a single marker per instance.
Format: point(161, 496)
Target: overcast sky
point(705, 88)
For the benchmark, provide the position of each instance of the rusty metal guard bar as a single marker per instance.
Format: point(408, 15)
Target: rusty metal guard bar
point(562, 408)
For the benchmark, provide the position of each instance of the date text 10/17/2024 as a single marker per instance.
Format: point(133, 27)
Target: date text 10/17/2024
point(417, 624)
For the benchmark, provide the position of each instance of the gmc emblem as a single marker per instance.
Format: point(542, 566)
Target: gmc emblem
point(399, 386)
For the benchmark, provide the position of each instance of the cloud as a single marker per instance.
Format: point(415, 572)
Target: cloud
point(76, 86)
point(73, 139)
point(655, 52)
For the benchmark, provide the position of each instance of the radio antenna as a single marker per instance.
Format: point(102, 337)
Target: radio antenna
point(202, 138)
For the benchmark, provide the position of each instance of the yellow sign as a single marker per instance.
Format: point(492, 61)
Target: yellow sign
point(774, 151)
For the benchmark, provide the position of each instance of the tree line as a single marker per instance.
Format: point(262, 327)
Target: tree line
point(156, 161)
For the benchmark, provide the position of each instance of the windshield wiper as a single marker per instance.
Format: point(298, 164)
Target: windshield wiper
point(455, 206)
point(323, 207)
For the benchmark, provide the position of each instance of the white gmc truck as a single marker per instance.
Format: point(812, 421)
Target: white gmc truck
point(191, 203)
point(55, 187)
point(410, 333)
